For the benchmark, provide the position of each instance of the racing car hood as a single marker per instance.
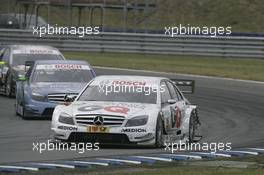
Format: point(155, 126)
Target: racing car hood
point(128, 110)
point(45, 88)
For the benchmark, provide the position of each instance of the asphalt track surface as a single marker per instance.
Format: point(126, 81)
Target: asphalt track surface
point(230, 111)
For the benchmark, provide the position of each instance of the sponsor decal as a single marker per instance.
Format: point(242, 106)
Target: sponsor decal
point(62, 67)
point(117, 109)
point(134, 130)
point(68, 128)
point(129, 83)
point(68, 66)
point(90, 108)
point(97, 129)
point(31, 51)
point(71, 87)
point(178, 117)
point(127, 105)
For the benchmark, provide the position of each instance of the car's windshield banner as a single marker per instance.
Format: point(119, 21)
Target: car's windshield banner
point(62, 66)
point(35, 51)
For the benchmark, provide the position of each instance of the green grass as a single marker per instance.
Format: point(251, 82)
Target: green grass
point(249, 69)
point(193, 170)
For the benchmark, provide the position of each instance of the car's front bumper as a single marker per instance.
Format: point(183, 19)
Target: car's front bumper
point(39, 109)
point(116, 135)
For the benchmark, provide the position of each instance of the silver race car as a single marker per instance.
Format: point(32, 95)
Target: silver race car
point(13, 59)
point(136, 110)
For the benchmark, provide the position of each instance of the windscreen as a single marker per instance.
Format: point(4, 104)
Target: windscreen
point(119, 94)
point(20, 59)
point(62, 73)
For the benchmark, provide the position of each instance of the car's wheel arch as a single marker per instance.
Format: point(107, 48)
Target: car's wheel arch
point(161, 116)
point(190, 110)
point(20, 93)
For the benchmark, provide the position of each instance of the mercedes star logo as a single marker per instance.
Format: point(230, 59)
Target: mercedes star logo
point(98, 120)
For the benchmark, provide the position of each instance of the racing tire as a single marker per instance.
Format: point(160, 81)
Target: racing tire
point(192, 128)
point(159, 139)
point(8, 88)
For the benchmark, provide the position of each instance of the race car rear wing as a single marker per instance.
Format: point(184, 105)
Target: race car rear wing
point(186, 86)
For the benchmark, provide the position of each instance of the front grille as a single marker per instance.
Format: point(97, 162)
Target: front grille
point(59, 97)
point(109, 120)
point(101, 138)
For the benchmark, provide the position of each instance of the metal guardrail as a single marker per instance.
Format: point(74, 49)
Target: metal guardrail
point(222, 46)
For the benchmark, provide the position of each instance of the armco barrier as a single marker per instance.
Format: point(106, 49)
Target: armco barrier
point(221, 46)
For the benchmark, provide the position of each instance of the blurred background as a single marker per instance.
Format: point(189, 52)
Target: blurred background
point(132, 33)
point(141, 16)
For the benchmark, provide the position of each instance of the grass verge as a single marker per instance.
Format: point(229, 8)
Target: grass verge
point(239, 68)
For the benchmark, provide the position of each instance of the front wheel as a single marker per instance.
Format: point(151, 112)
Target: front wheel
point(159, 134)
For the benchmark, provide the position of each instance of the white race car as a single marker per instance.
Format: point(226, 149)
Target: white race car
point(128, 110)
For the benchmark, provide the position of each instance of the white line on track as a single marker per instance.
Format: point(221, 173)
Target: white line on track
point(154, 158)
point(20, 167)
point(121, 160)
point(184, 155)
point(222, 155)
point(244, 152)
point(256, 149)
point(213, 154)
point(91, 163)
point(56, 165)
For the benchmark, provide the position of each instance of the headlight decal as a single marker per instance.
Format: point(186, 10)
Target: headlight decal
point(66, 119)
point(137, 121)
point(38, 97)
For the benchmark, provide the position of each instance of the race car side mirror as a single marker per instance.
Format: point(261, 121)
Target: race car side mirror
point(172, 101)
point(69, 98)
